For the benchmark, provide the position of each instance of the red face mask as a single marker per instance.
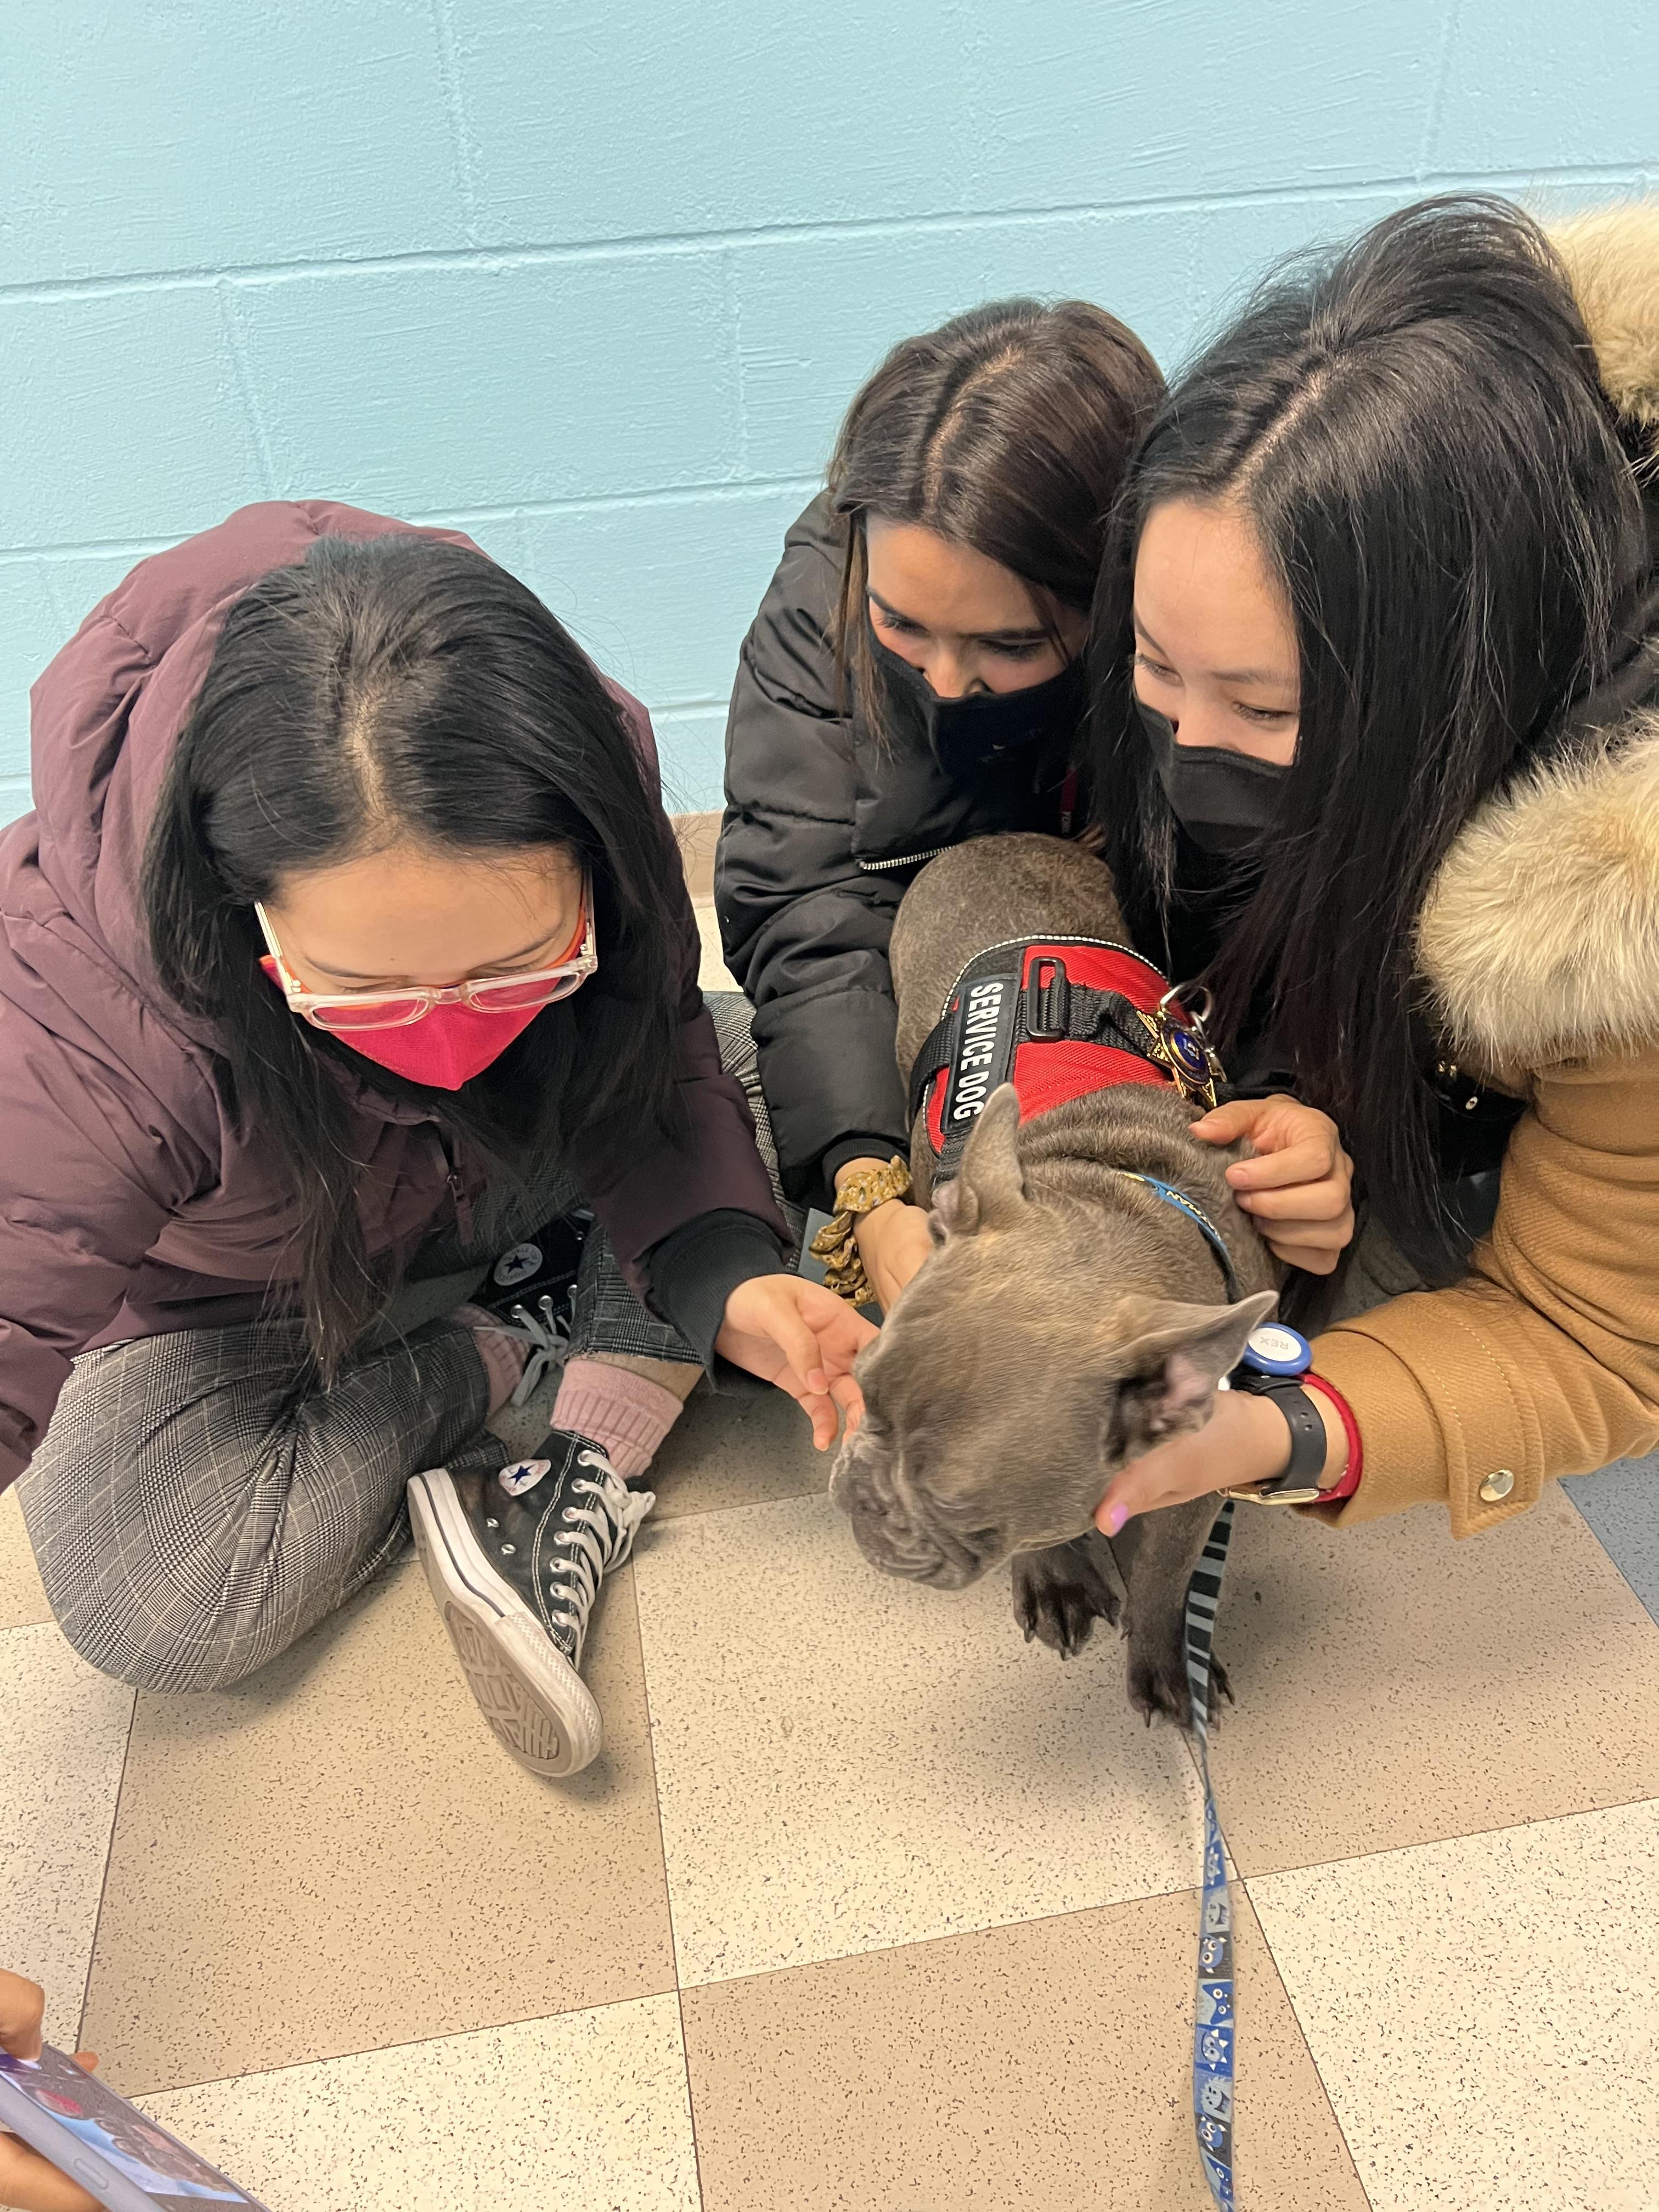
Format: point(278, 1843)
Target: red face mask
point(454, 1039)
point(448, 1048)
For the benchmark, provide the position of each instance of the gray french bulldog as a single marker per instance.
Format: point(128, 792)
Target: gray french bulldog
point(1067, 1318)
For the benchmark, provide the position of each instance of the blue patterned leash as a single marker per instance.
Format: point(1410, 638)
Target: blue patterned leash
point(1214, 2028)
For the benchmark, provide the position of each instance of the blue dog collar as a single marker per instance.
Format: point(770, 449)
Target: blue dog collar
point(1201, 1221)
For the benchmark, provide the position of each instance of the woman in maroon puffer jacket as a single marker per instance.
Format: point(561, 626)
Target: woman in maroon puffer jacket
point(346, 958)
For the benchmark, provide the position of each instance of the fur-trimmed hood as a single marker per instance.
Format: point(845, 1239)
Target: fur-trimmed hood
point(1540, 937)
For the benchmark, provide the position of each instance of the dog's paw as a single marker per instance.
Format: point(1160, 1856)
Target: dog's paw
point(1158, 1688)
point(1060, 1594)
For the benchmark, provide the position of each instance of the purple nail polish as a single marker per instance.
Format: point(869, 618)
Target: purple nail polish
point(1115, 1519)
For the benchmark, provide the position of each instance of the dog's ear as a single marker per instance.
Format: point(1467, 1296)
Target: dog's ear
point(989, 1191)
point(945, 1218)
point(1172, 1363)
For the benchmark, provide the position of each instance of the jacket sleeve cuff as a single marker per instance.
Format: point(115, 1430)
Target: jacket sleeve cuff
point(1405, 1455)
point(862, 1145)
point(827, 1067)
point(694, 1271)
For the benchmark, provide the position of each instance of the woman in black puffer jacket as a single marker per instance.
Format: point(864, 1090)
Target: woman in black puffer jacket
point(910, 681)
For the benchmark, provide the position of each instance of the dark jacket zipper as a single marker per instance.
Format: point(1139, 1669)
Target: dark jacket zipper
point(458, 1190)
point(906, 860)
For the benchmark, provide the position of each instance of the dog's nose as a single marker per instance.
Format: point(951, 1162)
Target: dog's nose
point(901, 1548)
point(901, 1542)
point(899, 1534)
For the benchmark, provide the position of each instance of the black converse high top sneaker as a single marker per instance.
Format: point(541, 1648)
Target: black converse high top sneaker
point(532, 1287)
point(514, 1561)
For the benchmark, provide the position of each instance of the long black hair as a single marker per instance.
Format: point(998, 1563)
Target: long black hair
point(1416, 435)
point(1007, 430)
point(401, 690)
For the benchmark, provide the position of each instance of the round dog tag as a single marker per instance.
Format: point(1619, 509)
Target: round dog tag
point(1185, 1049)
point(1273, 1349)
point(1178, 1045)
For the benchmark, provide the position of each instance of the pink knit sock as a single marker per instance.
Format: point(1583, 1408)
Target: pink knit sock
point(502, 1354)
point(627, 1413)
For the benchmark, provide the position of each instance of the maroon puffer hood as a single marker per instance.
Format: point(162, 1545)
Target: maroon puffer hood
point(129, 1204)
point(107, 711)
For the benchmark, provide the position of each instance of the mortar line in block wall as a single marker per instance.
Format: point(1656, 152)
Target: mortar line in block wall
point(193, 274)
point(720, 492)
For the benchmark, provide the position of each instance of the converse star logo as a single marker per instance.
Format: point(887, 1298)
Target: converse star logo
point(522, 1474)
point(517, 1266)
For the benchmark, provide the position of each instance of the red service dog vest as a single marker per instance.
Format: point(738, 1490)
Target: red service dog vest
point(1057, 1018)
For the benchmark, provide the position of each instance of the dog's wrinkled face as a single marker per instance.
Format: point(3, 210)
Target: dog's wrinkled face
point(1012, 1380)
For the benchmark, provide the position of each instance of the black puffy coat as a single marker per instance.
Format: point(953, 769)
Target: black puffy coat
point(826, 821)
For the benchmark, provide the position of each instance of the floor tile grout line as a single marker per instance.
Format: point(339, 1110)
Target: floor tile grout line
point(1301, 2030)
point(26, 1628)
point(949, 1935)
point(109, 1855)
point(1434, 1843)
point(407, 2042)
point(1354, 1858)
point(667, 1890)
point(1614, 1560)
point(709, 1512)
point(743, 1505)
point(1236, 1874)
point(767, 1973)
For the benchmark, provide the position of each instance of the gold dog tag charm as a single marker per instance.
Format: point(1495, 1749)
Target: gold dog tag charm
point(1179, 1047)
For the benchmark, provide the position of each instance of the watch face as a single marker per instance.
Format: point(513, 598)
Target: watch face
point(1273, 1349)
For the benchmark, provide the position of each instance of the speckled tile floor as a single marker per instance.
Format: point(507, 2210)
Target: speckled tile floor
point(868, 1907)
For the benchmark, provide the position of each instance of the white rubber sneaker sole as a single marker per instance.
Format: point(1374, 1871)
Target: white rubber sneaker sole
point(536, 1704)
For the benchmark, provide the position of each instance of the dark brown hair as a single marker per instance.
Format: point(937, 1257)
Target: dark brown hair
point(1007, 429)
point(402, 688)
point(1415, 432)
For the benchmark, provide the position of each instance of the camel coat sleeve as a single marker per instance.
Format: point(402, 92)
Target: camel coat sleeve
point(1544, 1360)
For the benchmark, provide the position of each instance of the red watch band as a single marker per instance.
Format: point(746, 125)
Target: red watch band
point(1356, 1465)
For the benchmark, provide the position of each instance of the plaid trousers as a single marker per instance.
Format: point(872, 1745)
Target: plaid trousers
point(195, 1507)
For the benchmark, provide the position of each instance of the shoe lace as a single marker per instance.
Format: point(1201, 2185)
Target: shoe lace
point(597, 1535)
point(547, 1331)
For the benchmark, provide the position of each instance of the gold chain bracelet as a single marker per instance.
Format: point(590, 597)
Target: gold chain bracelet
point(836, 1243)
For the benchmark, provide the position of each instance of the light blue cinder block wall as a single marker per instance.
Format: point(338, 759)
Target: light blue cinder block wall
point(594, 278)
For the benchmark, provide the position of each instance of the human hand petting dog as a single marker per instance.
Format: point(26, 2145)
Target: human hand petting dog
point(1298, 1189)
point(893, 1241)
point(1245, 1440)
point(803, 1338)
point(27, 2181)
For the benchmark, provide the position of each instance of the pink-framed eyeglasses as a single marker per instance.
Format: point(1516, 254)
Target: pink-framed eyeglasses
point(343, 1012)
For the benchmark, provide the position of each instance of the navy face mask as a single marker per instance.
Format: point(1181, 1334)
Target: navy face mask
point(1222, 799)
point(970, 734)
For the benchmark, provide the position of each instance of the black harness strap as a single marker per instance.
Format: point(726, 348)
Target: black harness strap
point(989, 1015)
point(1050, 1010)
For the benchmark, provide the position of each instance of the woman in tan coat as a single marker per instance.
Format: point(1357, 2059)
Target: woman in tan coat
point(1377, 697)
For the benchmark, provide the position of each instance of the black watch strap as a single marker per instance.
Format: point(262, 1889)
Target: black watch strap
point(1306, 1472)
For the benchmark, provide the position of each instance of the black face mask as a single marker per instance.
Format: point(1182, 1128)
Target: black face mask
point(970, 734)
point(1222, 799)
